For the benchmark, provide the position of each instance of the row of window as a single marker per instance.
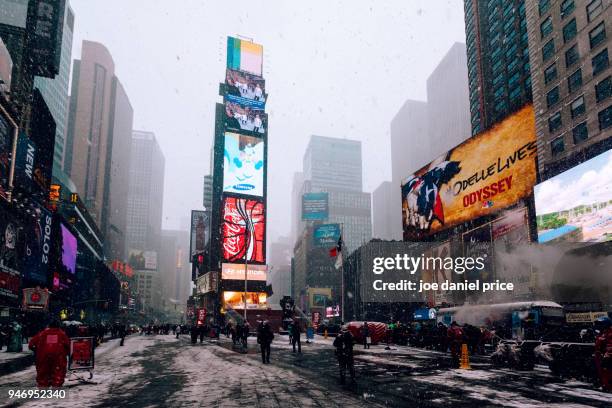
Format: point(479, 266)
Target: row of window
point(603, 90)
point(599, 63)
point(593, 8)
point(580, 132)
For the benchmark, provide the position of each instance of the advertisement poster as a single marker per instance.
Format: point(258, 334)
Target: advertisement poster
point(243, 55)
point(583, 213)
point(7, 134)
point(236, 272)
point(326, 235)
point(35, 299)
point(142, 260)
point(10, 257)
point(243, 231)
point(69, 250)
point(315, 206)
point(199, 232)
point(81, 355)
point(243, 165)
point(38, 233)
point(25, 158)
point(246, 86)
point(207, 282)
point(245, 118)
point(485, 174)
point(510, 237)
point(254, 300)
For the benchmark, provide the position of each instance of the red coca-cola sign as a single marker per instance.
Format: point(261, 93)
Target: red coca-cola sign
point(243, 230)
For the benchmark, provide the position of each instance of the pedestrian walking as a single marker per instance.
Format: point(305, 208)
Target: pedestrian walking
point(264, 339)
point(51, 347)
point(344, 352)
point(178, 331)
point(295, 336)
point(246, 328)
point(365, 332)
point(122, 333)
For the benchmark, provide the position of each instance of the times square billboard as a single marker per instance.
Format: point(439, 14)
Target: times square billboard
point(479, 177)
point(583, 213)
point(243, 164)
point(243, 230)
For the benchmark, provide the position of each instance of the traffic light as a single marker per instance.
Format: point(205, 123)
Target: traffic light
point(197, 265)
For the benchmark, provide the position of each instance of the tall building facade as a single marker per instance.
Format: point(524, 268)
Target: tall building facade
point(570, 42)
point(174, 268)
point(333, 166)
point(448, 102)
point(146, 191)
point(208, 192)
point(409, 152)
point(55, 90)
point(383, 206)
point(296, 205)
point(98, 143)
point(497, 60)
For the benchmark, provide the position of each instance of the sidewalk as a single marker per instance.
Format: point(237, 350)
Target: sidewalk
point(12, 362)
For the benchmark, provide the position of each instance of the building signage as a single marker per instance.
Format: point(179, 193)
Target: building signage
point(236, 271)
point(484, 174)
point(207, 282)
point(315, 206)
point(35, 299)
point(326, 235)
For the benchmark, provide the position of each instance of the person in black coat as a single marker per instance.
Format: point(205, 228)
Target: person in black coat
point(295, 336)
point(264, 338)
point(344, 352)
point(122, 332)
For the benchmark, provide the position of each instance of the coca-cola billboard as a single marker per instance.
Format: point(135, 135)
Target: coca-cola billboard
point(244, 230)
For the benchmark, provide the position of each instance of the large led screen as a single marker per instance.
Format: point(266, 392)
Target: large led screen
point(481, 176)
point(69, 250)
point(254, 300)
point(243, 164)
point(245, 117)
point(243, 230)
point(576, 205)
point(246, 86)
point(244, 55)
point(236, 272)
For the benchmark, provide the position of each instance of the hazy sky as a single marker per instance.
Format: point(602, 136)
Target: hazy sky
point(332, 68)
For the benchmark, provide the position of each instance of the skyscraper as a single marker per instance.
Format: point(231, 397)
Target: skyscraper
point(98, 142)
point(448, 102)
point(385, 200)
point(333, 165)
point(146, 191)
point(569, 51)
point(497, 60)
point(55, 90)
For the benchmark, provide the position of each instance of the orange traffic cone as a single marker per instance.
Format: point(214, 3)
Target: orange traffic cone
point(465, 358)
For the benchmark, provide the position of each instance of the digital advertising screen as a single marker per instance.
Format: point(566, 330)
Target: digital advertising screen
point(576, 205)
point(315, 206)
point(246, 86)
point(254, 300)
point(245, 117)
point(243, 165)
point(199, 231)
point(486, 173)
point(243, 230)
point(69, 250)
point(233, 271)
point(243, 55)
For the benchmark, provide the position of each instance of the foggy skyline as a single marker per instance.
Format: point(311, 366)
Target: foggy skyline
point(326, 73)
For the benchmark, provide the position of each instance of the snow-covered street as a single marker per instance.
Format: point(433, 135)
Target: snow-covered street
point(163, 371)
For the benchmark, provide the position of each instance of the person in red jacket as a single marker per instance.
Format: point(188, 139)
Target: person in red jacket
point(603, 352)
point(51, 347)
point(454, 340)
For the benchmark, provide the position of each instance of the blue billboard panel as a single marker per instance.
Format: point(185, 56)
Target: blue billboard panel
point(315, 206)
point(326, 235)
point(243, 164)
